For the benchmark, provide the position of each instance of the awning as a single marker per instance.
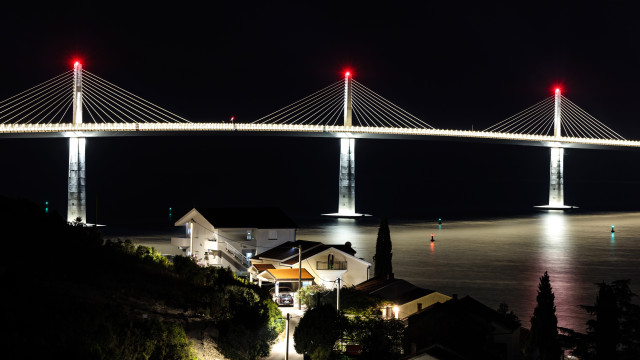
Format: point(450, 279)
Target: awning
point(273, 275)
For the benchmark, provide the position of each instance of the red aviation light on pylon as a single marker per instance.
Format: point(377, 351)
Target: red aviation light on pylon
point(76, 63)
point(347, 73)
point(557, 89)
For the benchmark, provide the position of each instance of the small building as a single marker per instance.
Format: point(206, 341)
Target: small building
point(229, 237)
point(324, 263)
point(402, 296)
point(464, 327)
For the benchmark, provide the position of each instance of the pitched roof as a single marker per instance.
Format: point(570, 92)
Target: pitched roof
point(396, 290)
point(488, 313)
point(263, 267)
point(261, 218)
point(318, 249)
point(286, 250)
point(286, 274)
point(470, 307)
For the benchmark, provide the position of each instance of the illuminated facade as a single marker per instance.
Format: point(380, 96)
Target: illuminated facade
point(326, 263)
point(229, 237)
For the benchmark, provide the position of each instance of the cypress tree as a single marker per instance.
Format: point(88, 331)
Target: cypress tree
point(383, 254)
point(606, 329)
point(543, 342)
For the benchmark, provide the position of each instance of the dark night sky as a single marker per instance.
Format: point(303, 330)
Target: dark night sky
point(451, 64)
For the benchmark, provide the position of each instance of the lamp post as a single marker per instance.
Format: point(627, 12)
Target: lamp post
point(299, 276)
point(190, 237)
point(286, 353)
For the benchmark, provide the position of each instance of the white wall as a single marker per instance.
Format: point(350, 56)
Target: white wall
point(411, 307)
point(266, 240)
point(356, 268)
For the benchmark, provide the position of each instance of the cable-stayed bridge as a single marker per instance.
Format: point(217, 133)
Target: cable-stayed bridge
point(78, 104)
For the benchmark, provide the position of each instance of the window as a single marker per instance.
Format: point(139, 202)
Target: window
point(249, 235)
point(273, 235)
point(419, 306)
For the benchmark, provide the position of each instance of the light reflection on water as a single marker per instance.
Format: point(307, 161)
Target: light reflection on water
point(501, 260)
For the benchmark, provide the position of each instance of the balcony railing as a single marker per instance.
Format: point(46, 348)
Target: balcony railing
point(335, 265)
point(238, 255)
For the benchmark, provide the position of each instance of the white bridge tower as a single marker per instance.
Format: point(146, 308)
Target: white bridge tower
point(556, 168)
point(347, 176)
point(77, 195)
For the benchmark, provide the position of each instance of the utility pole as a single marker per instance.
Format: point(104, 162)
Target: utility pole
point(286, 352)
point(191, 237)
point(338, 292)
point(299, 276)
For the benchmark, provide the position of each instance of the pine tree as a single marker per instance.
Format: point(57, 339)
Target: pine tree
point(543, 343)
point(383, 254)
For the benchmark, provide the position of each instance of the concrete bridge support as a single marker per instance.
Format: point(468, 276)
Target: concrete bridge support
point(556, 178)
point(77, 195)
point(347, 179)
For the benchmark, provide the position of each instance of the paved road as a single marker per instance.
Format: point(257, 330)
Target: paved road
point(278, 349)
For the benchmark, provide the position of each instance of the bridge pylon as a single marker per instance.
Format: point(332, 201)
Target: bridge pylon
point(347, 174)
point(77, 195)
point(556, 166)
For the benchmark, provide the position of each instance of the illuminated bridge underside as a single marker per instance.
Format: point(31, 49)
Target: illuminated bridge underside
point(91, 130)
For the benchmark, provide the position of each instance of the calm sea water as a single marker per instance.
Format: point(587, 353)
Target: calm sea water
point(494, 260)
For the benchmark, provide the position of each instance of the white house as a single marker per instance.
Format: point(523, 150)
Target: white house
point(229, 237)
point(324, 263)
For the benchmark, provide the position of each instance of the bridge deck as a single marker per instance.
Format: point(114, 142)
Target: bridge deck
point(92, 130)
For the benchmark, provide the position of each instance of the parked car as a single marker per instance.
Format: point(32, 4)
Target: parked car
point(282, 291)
point(285, 300)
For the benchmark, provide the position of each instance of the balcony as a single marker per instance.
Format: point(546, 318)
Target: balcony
point(335, 265)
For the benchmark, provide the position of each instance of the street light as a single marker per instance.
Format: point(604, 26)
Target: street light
point(299, 276)
point(191, 238)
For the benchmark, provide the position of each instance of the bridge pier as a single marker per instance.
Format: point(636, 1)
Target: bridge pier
point(556, 178)
point(347, 178)
point(77, 195)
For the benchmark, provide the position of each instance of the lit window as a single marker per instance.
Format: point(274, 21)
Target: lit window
point(273, 235)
